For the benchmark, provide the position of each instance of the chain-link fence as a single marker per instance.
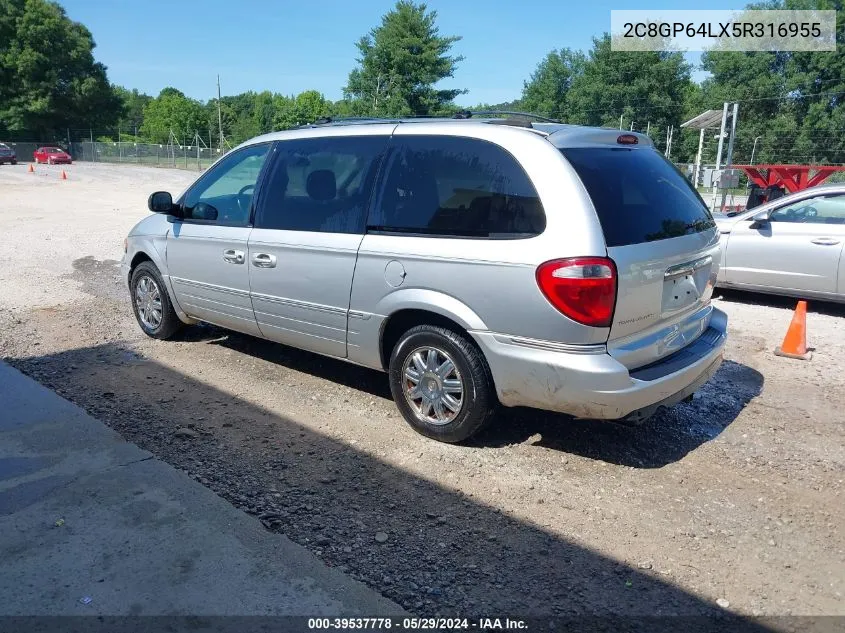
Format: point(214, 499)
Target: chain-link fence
point(195, 157)
point(160, 155)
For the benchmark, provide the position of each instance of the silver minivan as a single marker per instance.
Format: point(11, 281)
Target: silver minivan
point(478, 262)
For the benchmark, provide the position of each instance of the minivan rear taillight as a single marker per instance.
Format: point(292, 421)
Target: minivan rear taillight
point(582, 288)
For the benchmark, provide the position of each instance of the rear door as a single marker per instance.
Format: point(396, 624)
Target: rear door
point(663, 240)
point(797, 250)
point(308, 228)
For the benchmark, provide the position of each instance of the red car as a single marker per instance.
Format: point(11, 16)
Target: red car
point(52, 156)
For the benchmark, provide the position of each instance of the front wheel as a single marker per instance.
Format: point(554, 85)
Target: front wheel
point(441, 384)
point(151, 303)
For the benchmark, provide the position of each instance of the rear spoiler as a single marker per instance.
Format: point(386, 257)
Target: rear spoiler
point(577, 136)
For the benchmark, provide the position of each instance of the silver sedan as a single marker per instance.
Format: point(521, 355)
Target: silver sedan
point(791, 246)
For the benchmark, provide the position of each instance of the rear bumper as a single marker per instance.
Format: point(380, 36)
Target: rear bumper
point(587, 382)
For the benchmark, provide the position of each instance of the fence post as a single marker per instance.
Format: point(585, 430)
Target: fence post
point(93, 155)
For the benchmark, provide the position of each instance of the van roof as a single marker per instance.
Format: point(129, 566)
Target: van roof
point(561, 135)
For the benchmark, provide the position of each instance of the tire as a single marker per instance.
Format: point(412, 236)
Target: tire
point(49, 161)
point(477, 402)
point(167, 323)
point(14, 162)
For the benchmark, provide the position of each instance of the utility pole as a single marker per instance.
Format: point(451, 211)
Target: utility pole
point(697, 170)
point(729, 160)
point(219, 115)
point(719, 152)
point(670, 131)
point(375, 96)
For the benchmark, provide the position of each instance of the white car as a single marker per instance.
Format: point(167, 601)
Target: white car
point(792, 246)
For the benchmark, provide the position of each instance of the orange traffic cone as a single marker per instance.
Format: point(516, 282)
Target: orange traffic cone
point(30, 168)
point(64, 175)
point(795, 342)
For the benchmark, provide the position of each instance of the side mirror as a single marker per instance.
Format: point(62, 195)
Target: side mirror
point(161, 202)
point(760, 220)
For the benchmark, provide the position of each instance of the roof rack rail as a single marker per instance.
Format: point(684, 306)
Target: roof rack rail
point(366, 119)
point(467, 114)
point(461, 114)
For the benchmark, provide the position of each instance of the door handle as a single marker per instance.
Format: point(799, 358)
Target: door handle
point(264, 260)
point(233, 257)
point(825, 241)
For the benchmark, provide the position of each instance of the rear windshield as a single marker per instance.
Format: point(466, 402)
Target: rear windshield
point(639, 196)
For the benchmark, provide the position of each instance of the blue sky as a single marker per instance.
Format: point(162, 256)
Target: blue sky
point(287, 47)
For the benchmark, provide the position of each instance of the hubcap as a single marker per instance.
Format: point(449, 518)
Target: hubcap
point(433, 385)
point(148, 302)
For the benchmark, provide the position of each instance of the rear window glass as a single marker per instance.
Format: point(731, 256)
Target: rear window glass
point(639, 196)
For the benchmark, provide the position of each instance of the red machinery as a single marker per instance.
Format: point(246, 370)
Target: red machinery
point(791, 177)
point(773, 181)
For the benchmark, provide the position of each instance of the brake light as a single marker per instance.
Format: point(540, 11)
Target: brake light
point(582, 288)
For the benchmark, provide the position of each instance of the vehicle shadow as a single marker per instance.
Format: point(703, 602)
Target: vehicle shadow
point(775, 301)
point(664, 439)
point(443, 553)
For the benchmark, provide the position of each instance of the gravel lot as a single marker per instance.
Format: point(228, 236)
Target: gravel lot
point(731, 501)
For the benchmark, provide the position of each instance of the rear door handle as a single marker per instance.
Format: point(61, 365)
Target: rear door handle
point(264, 260)
point(825, 241)
point(234, 257)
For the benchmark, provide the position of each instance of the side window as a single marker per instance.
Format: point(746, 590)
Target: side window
point(224, 193)
point(321, 184)
point(459, 187)
point(821, 210)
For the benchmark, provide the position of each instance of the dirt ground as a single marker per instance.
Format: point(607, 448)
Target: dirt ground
point(733, 501)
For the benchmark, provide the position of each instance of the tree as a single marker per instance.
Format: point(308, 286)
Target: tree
point(49, 80)
point(790, 103)
point(306, 107)
point(173, 111)
point(400, 62)
point(132, 115)
point(546, 92)
point(640, 87)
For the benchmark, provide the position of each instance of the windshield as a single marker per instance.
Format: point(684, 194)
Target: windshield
point(54, 150)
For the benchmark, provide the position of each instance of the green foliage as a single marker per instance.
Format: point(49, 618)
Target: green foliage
point(133, 106)
point(400, 62)
point(49, 80)
point(547, 91)
point(306, 107)
point(173, 111)
point(639, 87)
point(790, 102)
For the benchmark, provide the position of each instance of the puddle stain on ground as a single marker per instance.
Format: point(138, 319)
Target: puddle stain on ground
point(100, 278)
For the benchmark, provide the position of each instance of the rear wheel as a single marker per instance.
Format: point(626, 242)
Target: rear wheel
point(441, 384)
point(151, 303)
